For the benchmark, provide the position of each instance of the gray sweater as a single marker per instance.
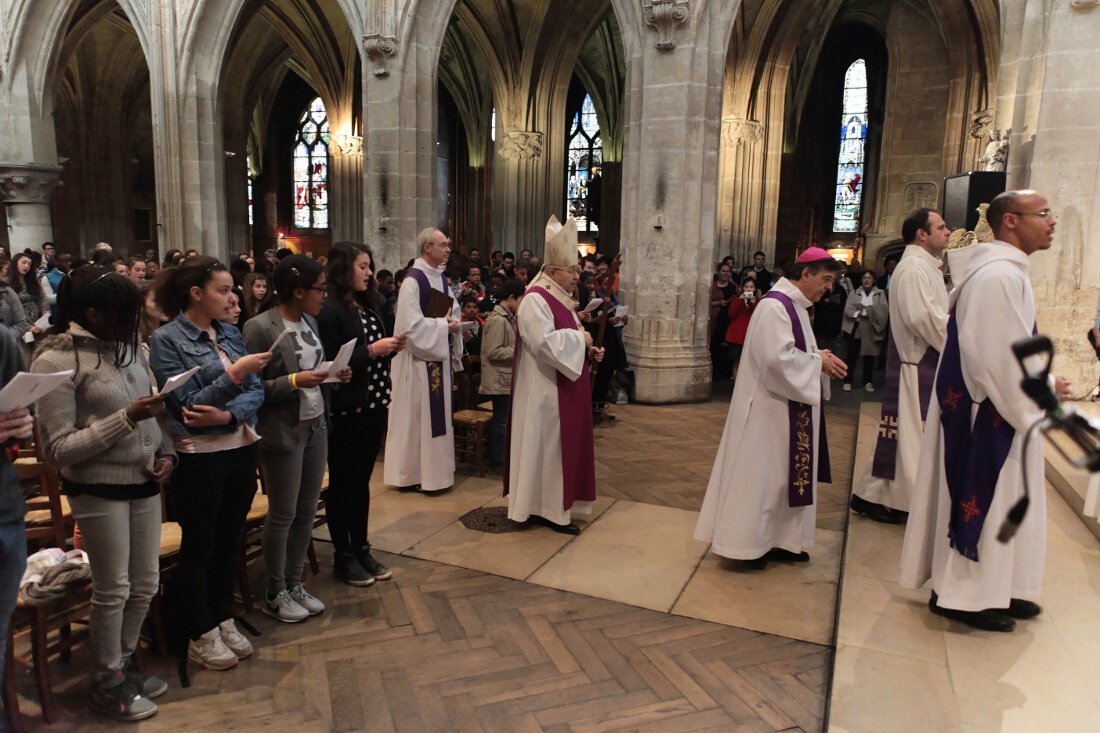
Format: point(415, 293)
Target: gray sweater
point(83, 422)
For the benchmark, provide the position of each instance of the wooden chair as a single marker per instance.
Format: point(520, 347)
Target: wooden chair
point(40, 622)
point(471, 432)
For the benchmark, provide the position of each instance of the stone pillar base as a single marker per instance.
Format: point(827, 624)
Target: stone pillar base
point(668, 373)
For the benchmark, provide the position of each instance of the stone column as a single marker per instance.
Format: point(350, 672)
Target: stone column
point(670, 168)
point(346, 188)
point(25, 191)
point(1049, 101)
point(520, 194)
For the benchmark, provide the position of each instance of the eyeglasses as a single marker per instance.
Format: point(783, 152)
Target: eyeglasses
point(319, 289)
point(1045, 213)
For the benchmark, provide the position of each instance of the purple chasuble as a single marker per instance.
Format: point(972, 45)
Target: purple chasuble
point(973, 451)
point(436, 403)
point(886, 447)
point(578, 456)
point(801, 416)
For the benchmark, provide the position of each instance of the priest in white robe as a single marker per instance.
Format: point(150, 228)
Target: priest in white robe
point(761, 502)
point(918, 329)
point(972, 460)
point(550, 469)
point(420, 445)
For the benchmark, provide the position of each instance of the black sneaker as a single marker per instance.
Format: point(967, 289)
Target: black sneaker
point(148, 685)
point(348, 569)
point(123, 701)
point(377, 570)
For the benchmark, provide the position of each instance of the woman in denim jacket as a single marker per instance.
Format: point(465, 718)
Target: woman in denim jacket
point(212, 420)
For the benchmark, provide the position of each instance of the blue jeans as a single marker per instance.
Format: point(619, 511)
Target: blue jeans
point(13, 561)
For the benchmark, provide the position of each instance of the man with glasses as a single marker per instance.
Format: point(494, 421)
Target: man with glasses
point(972, 458)
point(420, 454)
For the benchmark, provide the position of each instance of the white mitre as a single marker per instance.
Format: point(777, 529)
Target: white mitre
point(561, 243)
point(560, 251)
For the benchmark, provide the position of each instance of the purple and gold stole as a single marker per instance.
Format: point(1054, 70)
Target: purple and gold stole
point(973, 453)
point(886, 447)
point(800, 482)
point(437, 405)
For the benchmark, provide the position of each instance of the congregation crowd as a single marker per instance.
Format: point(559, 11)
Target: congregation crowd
point(256, 346)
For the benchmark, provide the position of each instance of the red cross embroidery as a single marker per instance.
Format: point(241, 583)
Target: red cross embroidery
point(970, 509)
point(952, 398)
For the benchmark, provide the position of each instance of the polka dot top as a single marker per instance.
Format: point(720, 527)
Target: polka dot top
point(378, 370)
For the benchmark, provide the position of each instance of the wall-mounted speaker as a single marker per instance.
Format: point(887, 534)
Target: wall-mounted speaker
point(963, 193)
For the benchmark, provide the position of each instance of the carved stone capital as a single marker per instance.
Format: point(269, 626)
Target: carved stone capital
point(380, 49)
point(29, 184)
point(347, 144)
point(664, 16)
point(1084, 4)
point(520, 145)
point(981, 124)
point(737, 130)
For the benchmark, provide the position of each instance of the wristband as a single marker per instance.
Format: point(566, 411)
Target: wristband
point(294, 380)
point(370, 352)
point(129, 422)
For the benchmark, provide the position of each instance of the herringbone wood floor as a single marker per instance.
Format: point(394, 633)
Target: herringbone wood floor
point(440, 648)
point(445, 649)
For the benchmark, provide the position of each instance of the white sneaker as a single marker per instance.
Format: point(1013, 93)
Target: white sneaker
point(234, 639)
point(284, 608)
point(302, 597)
point(869, 387)
point(847, 387)
point(209, 651)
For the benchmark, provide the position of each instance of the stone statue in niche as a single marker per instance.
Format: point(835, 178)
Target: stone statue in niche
point(996, 152)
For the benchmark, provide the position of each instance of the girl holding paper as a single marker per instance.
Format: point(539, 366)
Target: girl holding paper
point(293, 421)
point(358, 409)
point(212, 420)
point(98, 430)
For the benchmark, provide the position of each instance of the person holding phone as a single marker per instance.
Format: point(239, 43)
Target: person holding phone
point(212, 420)
point(99, 429)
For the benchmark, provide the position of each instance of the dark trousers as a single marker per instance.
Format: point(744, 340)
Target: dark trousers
point(854, 346)
point(614, 359)
point(210, 495)
point(353, 445)
point(13, 561)
point(498, 427)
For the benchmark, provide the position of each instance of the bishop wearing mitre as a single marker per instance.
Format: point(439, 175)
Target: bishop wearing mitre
point(550, 469)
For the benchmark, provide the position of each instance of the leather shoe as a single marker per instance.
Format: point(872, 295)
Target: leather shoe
point(987, 620)
point(570, 528)
point(780, 555)
point(1023, 610)
point(409, 489)
point(877, 512)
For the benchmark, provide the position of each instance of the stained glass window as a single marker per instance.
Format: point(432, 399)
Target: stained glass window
point(311, 168)
point(853, 137)
point(251, 181)
point(582, 174)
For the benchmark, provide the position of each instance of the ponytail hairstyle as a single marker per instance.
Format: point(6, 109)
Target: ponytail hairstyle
point(173, 288)
point(117, 300)
point(295, 271)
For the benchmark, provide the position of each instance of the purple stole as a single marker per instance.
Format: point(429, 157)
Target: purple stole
point(578, 457)
point(886, 447)
point(801, 417)
point(973, 453)
point(437, 405)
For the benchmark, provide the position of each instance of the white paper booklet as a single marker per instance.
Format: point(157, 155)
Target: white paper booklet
point(593, 305)
point(334, 367)
point(24, 388)
point(177, 381)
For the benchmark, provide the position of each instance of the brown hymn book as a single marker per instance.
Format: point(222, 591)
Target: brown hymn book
point(439, 305)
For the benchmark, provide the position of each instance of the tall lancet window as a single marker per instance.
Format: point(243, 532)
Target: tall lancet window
point(853, 138)
point(311, 168)
point(582, 174)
